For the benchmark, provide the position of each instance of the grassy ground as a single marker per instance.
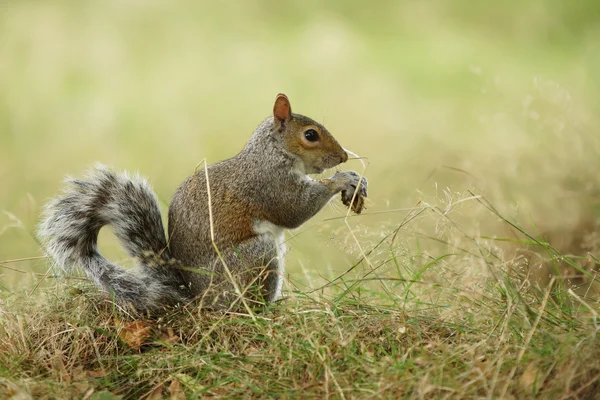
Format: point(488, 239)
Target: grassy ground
point(412, 338)
point(471, 274)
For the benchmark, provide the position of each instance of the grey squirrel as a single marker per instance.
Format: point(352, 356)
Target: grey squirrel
point(254, 197)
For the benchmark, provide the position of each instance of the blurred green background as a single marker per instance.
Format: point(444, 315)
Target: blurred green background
point(501, 98)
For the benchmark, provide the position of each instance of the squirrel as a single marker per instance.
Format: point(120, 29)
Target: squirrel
point(225, 232)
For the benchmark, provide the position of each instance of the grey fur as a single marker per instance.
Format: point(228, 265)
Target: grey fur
point(70, 226)
point(254, 197)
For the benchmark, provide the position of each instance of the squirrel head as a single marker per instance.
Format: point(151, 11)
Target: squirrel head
point(306, 138)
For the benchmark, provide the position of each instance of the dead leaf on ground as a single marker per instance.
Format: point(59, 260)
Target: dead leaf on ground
point(169, 336)
point(134, 333)
point(175, 392)
point(157, 392)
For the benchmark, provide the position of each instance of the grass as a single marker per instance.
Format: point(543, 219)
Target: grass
point(473, 273)
point(397, 329)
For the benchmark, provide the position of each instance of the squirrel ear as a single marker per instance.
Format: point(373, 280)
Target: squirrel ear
point(282, 110)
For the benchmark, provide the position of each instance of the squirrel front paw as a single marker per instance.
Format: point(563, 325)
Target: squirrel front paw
point(350, 181)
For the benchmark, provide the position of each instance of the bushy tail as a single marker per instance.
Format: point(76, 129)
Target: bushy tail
point(70, 227)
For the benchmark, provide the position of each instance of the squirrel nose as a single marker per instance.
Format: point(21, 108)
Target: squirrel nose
point(344, 157)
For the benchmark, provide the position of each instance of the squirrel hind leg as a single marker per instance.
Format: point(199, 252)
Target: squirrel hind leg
point(274, 272)
point(254, 265)
point(267, 251)
point(272, 284)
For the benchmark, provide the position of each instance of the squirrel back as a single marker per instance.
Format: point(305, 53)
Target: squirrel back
point(225, 232)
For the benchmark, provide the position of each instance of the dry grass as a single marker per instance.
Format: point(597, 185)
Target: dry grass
point(400, 325)
point(305, 348)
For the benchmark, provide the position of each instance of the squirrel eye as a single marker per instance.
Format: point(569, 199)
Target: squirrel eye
point(311, 135)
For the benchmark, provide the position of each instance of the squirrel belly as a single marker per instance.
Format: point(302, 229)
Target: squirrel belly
point(226, 233)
